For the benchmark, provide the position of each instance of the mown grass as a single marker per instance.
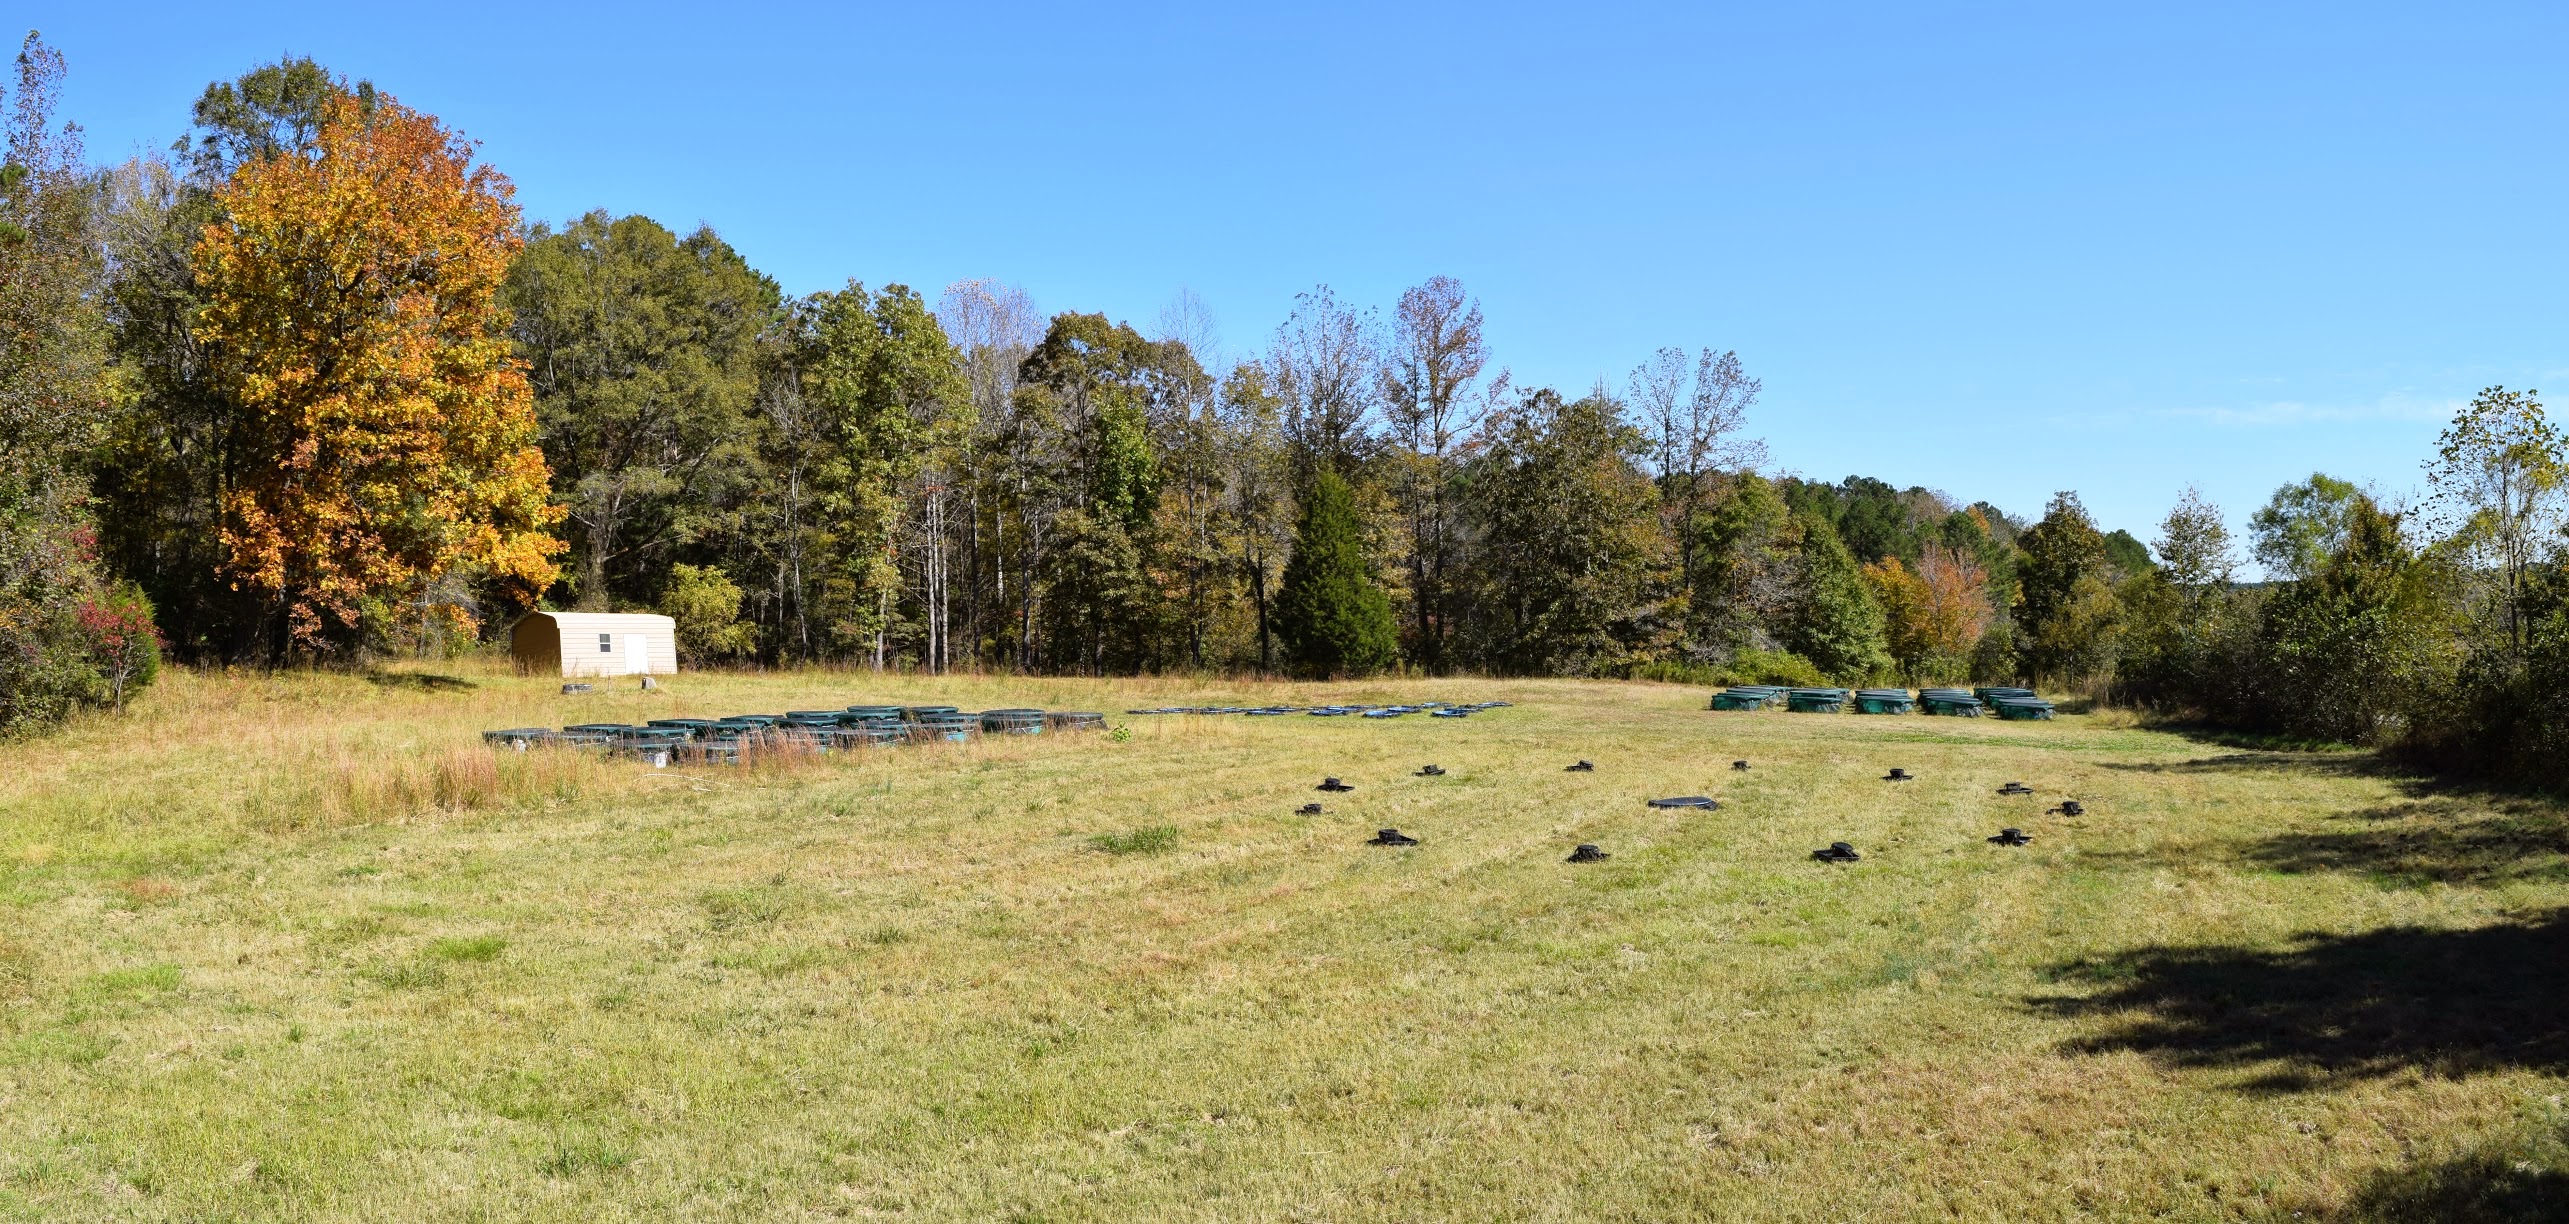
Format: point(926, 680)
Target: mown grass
point(298, 947)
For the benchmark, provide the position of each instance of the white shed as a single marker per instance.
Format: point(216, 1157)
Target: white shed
point(595, 644)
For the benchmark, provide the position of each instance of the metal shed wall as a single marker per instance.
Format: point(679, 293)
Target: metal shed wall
point(568, 643)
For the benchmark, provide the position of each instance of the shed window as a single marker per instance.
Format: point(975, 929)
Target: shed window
point(606, 643)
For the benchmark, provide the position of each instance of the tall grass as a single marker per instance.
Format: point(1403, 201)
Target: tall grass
point(340, 785)
point(302, 947)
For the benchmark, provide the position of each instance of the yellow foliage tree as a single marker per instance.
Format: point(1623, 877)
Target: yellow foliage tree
point(1935, 613)
point(387, 434)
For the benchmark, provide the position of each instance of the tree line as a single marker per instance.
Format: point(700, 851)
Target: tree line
point(308, 386)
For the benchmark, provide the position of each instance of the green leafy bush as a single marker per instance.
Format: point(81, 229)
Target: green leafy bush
point(705, 603)
point(1784, 667)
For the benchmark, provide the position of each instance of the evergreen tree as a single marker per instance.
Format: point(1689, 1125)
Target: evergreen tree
point(1331, 616)
point(2129, 557)
point(1835, 622)
point(1094, 406)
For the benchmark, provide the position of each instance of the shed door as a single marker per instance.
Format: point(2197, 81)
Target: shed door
point(637, 654)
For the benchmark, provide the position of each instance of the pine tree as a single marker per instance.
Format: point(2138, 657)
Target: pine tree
point(1333, 619)
point(1835, 621)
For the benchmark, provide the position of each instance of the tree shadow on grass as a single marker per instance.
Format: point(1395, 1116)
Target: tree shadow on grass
point(421, 682)
point(2256, 741)
point(2332, 1007)
point(2497, 1187)
point(2439, 839)
point(2439, 832)
point(2313, 764)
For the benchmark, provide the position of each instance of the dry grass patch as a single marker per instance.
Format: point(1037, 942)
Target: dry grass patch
point(1100, 978)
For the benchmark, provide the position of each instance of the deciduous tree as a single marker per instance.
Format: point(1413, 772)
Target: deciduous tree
point(2067, 613)
point(180, 444)
point(1324, 368)
point(2194, 547)
point(2302, 526)
point(53, 404)
point(124, 643)
point(1750, 547)
point(1693, 425)
point(885, 393)
point(704, 603)
point(1571, 556)
point(2353, 651)
point(351, 313)
point(1436, 355)
point(1933, 615)
point(2500, 474)
point(642, 348)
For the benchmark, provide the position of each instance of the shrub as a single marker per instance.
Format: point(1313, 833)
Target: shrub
point(1784, 667)
point(705, 603)
point(2354, 651)
point(47, 669)
point(124, 644)
point(1994, 659)
point(1667, 671)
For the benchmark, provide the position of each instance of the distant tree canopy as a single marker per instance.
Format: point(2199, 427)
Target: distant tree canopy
point(612, 414)
point(643, 349)
point(307, 387)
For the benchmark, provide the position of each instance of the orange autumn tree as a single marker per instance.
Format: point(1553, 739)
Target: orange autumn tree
point(1933, 614)
point(387, 436)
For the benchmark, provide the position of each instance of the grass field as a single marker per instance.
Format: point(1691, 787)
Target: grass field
point(298, 947)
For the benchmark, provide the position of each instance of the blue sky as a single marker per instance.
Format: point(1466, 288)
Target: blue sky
point(1993, 249)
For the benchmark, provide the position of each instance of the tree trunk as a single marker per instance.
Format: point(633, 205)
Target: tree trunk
point(1258, 588)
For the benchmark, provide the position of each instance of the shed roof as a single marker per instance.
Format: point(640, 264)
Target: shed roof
point(608, 622)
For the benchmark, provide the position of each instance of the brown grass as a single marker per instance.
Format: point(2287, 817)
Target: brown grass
point(383, 972)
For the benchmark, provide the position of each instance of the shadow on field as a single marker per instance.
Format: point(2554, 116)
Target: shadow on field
point(2339, 1007)
point(2495, 1188)
point(2234, 737)
point(2439, 832)
point(2440, 839)
point(416, 681)
point(2312, 764)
